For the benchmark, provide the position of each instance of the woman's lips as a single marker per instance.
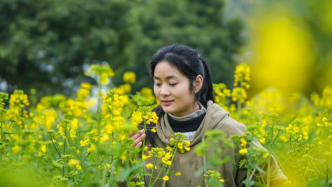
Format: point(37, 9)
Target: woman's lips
point(166, 103)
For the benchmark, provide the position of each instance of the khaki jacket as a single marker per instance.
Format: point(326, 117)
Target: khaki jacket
point(188, 163)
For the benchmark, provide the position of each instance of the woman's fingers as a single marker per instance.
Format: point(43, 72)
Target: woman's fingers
point(138, 134)
point(138, 145)
point(138, 137)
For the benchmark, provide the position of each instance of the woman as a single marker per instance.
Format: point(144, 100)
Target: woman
point(183, 86)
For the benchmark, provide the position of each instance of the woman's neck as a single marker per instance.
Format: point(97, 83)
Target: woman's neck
point(200, 110)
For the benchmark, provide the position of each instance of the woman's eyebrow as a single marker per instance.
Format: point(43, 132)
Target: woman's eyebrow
point(168, 77)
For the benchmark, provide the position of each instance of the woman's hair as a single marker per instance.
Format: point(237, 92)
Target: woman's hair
point(190, 63)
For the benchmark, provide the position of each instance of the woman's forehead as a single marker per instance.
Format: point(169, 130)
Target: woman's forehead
point(167, 69)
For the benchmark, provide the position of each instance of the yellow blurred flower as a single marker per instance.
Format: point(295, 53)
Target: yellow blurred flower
point(92, 148)
point(266, 155)
point(283, 52)
point(16, 149)
point(129, 77)
point(79, 167)
point(84, 143)
point(43, 149)
point(149, 165)
point(136, 118)
point(243, 151)
point(73, 162)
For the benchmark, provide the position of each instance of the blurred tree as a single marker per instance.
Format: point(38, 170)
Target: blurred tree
point(45, 43)
point(196, 23)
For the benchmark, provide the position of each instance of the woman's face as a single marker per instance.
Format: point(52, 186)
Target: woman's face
point(172, 90)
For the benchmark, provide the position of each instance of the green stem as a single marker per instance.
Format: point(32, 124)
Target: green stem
point(64, 148)
point(104, 173)
point(2, 136)
point(248, 174)
point(111, 180)
point(56, 148)
point(269, 161)
point(328, 163)
point(269, 171)
point(251, 175)
point(154, 182)
point(175, 149)
point(238, 105)
point(153, 169)
point(98, 124)
point(143, 143)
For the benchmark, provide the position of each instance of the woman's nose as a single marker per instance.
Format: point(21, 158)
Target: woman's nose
point(164, 90)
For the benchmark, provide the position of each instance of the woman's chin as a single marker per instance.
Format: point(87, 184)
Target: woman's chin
point(167, 110)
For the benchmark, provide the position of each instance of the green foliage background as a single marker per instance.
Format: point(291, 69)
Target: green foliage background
point(46, 44)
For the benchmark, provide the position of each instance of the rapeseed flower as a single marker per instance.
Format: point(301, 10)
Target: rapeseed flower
point(180, 140)
point(16, 149)
point(149, 165)
point(240, 94)
point(103, 72)
point(73, 162)
point(129, 77)
point(79, 167)
point(243, 151)
point(151, 117)
point(136, 118)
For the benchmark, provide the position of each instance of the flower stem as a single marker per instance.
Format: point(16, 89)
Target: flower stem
point(328, 163)
point(2, 137)
point(143, 143)
point(238, 105)
point(98, 125)
point(248, 174)
point(154, 182)
point(153, 169)
point(64, 148)
point(56, 148)
point(269, 161)
point(175, 149)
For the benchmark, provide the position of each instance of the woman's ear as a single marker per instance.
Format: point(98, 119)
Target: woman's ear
point(198, 83)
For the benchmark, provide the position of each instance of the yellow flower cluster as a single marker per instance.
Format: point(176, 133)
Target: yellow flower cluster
point(151, 117)
point(103, 72)
point(113, 104)
point(84, 91)
point(180, 141)
point(239, 94)
point(19, 99)
point(243, 143)
point(242, 76)
point(221, 95)
point(212, 178)
point(136, 118)
point(129, 77)
point(241, 79)
point(3, 97)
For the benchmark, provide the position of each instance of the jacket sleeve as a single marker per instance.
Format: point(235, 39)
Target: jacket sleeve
point(277, 177)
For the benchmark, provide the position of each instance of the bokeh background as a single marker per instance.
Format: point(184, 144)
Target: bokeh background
point(48, 44)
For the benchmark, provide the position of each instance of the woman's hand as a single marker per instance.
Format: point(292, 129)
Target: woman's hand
point(138, 137)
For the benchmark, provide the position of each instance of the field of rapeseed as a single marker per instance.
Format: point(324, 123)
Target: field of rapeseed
point(83, 140)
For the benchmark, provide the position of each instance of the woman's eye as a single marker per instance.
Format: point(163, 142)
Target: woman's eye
point(157, 84)
point(173, 84)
